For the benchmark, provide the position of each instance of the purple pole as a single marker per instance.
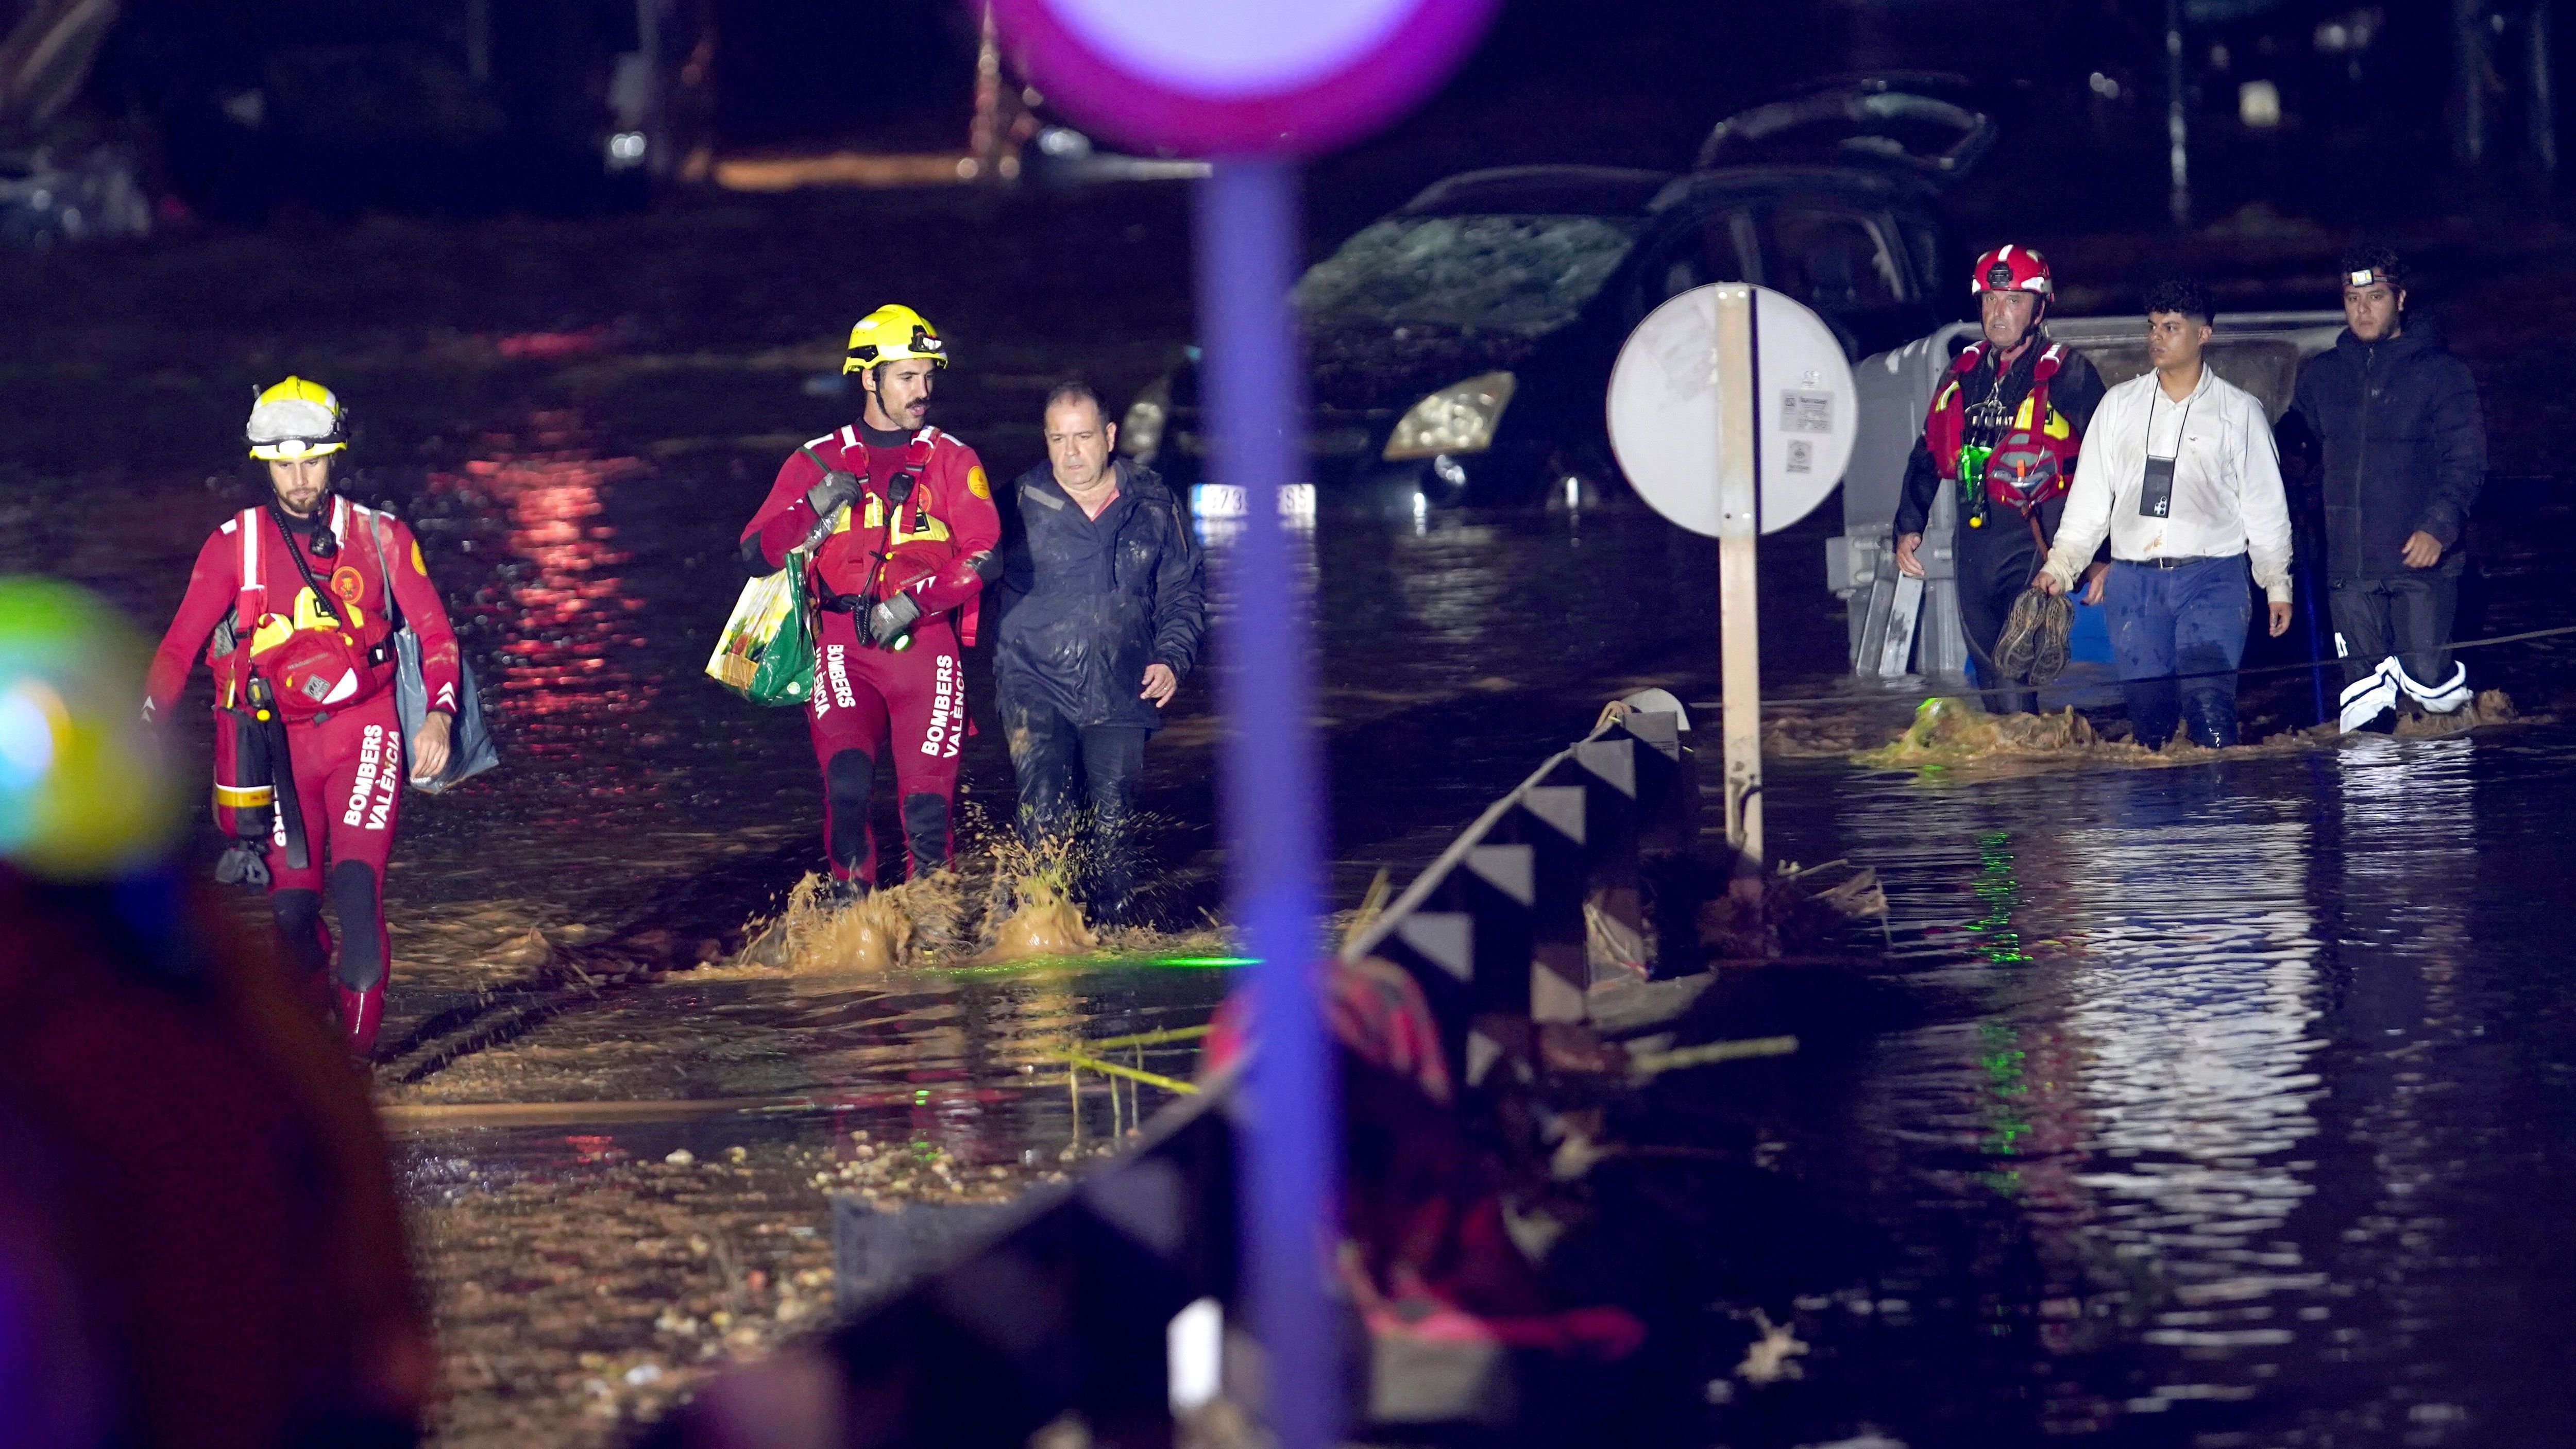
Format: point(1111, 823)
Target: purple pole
point(1272, 786)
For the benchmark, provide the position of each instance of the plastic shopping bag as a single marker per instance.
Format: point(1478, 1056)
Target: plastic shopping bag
point(766, 652)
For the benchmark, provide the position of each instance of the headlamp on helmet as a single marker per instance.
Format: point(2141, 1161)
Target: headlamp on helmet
point(296, 419)
point(2012, 268)
point(890, 334)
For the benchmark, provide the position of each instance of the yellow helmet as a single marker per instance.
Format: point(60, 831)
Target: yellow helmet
point(297, 419)
point(891, 333)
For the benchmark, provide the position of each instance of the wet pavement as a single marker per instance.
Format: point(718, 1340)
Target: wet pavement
point(2214, 1102)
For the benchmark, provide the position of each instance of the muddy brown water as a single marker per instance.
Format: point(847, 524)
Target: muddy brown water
point(2219, 1104)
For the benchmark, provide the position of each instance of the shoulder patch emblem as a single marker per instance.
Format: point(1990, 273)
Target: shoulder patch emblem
point(977, 484)
point(419, 565)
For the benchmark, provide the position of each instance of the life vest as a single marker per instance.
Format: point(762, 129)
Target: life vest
point(2033, 459)
point(878, 547)
point(307, 661)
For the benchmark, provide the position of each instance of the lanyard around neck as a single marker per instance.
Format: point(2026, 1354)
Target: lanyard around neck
point(2158, 395)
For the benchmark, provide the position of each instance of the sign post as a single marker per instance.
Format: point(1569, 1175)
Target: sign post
point(1256, 84)
point(1732, 412)
point(1739, 620)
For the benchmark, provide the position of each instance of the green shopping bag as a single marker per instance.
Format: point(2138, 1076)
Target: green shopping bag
point(766, 652)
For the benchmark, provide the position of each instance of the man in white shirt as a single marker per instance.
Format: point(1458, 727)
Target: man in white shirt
point(2180, 471)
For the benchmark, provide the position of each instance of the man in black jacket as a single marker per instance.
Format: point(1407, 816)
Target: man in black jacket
point(2405, 452)
point(2004, 429)
point(1105, 610)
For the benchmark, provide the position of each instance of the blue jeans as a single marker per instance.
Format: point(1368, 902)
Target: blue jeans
point(2190, 620)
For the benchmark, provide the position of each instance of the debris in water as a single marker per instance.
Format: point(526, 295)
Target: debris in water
point(1773, 1356)
point(1950, 731)
point(2492, 706)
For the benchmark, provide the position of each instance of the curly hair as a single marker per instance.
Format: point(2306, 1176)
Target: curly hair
point(2182, 294)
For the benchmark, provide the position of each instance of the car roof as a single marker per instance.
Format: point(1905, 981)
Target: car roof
point(1924, 123)
point(1540, 191)
point(1889, 188)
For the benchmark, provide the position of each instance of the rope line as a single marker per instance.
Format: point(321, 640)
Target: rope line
point(1973, 693)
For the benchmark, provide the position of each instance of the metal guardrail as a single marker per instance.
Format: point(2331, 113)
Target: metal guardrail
point(981, 1324)
point(1546, 894)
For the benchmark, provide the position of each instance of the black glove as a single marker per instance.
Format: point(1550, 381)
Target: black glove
point(889, 621)
point(242, 864)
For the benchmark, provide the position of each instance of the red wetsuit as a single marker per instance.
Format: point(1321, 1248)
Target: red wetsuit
point(870, 701)
point(347, 756)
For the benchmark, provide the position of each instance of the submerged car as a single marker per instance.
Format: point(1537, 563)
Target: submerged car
point(1460, 347)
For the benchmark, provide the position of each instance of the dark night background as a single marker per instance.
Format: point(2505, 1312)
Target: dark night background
point(366, 103)
point(2146, 1028)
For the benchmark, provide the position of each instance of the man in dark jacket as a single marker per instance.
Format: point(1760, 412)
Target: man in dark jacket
point(2405, 452)
point(1105, 611)
point(2004, 429)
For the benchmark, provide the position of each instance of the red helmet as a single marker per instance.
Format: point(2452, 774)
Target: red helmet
point(2012, 268)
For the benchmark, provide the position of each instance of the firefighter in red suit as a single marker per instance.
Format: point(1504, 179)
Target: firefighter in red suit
point(896, 525)
point(294, 593)
point(2005, 429)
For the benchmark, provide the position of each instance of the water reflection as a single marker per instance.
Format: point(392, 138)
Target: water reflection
point(2196, 997)
point(568, 629)
point(2127, 1122)
point(2415, 1086)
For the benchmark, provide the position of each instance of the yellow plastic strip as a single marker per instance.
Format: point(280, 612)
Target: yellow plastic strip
point(1647, 1064)
point(1150, 1038)
point(1112, 1069)
point(241, 797)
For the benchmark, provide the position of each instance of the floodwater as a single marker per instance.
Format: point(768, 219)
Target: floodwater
point(2227, 1105)
point(2215, 1103)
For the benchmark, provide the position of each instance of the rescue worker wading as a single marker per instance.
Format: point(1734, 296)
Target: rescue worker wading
point(2004, 429)
point(900, 525)
point(294, 592)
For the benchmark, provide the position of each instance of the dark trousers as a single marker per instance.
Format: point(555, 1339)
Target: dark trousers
point(2190, 620)
point(1078, 783)
point(2410, 615)
point(1996, 563)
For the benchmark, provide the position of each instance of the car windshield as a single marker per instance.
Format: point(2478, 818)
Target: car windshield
point(1523, 275)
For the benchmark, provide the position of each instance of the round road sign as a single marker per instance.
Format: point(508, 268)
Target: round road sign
point(1664, 414)
point(1220, 77)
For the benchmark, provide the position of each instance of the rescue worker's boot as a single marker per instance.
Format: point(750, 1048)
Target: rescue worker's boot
point(925, 833)
point(365, 961)
point(306, 943)
point(361, 1013)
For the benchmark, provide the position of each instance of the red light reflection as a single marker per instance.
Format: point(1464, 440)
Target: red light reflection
point(566, 623)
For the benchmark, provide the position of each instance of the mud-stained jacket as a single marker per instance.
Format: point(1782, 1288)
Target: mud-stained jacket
point(2405, 446)
point(1091, 602)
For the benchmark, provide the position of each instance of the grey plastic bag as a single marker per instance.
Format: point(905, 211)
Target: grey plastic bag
point(469, 743)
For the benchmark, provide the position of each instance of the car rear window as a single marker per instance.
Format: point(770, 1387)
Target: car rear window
point(1522, 275)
